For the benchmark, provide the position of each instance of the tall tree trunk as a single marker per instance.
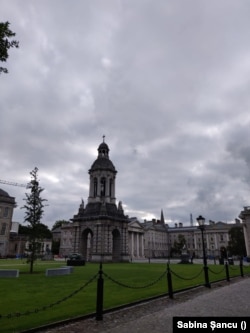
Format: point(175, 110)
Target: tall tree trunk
point(32, 256)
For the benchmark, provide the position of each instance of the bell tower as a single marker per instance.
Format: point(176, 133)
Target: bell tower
point(102, 177)
point(100, 228)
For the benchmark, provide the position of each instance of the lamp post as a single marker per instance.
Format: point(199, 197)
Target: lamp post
point(201, 222)
point(100, 280)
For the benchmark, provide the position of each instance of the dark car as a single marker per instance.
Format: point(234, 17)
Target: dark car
point(75, 256)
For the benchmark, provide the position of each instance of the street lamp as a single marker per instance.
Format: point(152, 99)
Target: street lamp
point(100, 280)
point(201, 221)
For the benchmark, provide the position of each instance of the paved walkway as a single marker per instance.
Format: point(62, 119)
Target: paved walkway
point(226, 299)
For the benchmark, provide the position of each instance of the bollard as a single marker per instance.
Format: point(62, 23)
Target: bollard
point(241, 268)
point(207, 283)
point(170, 287)
point(99, 297)
point(227, 271)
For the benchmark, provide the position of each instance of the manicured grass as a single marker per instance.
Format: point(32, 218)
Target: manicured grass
point(122, 284)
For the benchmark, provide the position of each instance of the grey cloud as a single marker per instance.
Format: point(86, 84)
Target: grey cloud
point(167, 84)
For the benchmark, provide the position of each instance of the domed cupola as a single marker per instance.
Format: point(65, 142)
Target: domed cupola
point(103, 150)
point(103, 162)
point(6, 198)
point(102, 177)
point(3, 193)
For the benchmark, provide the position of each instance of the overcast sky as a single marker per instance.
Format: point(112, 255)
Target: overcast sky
point(167, 82)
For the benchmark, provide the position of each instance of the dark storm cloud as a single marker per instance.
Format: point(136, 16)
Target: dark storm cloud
point(167, 84)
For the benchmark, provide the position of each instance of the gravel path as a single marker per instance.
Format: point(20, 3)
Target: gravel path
point(223, 299)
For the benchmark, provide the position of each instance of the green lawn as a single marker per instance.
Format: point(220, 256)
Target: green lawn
point(40, 300)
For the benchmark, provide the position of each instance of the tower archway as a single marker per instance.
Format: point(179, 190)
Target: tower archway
point(116, 248)
point(87, 244)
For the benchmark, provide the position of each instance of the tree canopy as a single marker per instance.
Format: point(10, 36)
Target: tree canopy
point(178, 244)
point(6, 43)
point(58, 224)
point(236, 244)
point(41, 229)
point(34, 203)
point(34, 212)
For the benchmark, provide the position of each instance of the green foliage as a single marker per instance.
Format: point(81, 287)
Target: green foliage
point(179, 244)
point(34, 212)
point(34, 203)
point(236, 244)
point(41, 230)
point(6, 43)
point(55, 246)
point(58, 224)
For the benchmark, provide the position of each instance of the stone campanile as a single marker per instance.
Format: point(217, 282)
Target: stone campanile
point(100, 229)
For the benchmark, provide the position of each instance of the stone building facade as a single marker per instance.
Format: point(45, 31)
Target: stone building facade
point(156, 238)
point(12, 243)
point(245, 216)
point(136, 239)
point(216, 237)
point(159, 239)
point(7, 204)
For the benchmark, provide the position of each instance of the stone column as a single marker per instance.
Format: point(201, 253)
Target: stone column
point(245, 216)
point(91, 186)
point(132, 244)
point(195, 242)
point(113, 189)
point(137, 245)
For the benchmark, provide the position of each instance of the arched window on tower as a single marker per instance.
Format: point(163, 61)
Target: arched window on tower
point(103, 187)
point(95, 187)
point(110, 187)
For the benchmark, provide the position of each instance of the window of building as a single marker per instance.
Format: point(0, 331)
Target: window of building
point(103, 187)
point(3, 228)
point(6, 212)
point(110, 186)
point(95, 187)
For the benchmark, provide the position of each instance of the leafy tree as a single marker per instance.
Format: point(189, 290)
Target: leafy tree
point(236, 244)
point(42, 229)
point(58, 224)
point(34, 211)
point(178, 244)
point(6, 43)
point(56, 246)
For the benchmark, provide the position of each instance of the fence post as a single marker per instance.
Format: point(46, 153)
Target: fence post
point(99, 297)
point(241, 268)
point(170, 287)
point(227, 271)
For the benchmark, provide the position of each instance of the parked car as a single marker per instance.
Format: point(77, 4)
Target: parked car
point(75, 256)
